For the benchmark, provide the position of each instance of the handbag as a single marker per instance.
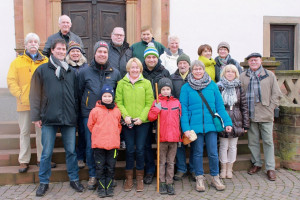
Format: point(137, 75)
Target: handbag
point(217, 119)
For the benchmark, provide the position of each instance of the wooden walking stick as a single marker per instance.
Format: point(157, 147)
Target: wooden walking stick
point(158, 141)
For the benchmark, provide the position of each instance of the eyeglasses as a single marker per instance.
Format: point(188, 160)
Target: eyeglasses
point(119, 35)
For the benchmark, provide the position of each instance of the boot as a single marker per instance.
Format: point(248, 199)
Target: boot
point(200, 183)
point(229, 170)
point(128, 181)
point(216, 182)
point(223, 170)
point(139, 180)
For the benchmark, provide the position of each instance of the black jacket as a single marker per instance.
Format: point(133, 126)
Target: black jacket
point(178, 82)
point(229, 61)
point(53, 100)
point(118, 57)
point(91, 81)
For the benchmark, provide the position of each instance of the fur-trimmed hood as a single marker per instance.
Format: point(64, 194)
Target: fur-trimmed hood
point(81, 61)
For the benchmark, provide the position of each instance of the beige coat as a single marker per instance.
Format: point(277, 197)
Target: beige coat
point(270, 95)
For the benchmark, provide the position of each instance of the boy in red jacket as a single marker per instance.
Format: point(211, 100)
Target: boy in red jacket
point(169, 109)
point(104, 124)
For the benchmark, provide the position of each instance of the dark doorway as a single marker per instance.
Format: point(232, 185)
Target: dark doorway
point(93, 20)
point(282, 45)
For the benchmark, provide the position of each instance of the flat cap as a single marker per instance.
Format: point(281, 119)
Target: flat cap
point(253, 55)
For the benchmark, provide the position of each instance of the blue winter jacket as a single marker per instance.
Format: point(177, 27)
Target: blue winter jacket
point(195, 115)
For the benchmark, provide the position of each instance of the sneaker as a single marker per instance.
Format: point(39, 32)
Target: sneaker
point(123, 144)
point(77, 186)
point(42, 189)
point(148, 178)
point(200, 183)
point(92, 183)
point(23, 167)
point(163, 188)
point(217, 183)
point(170, 189)
point(81, 164)
point(178, 176)
point(101, 192)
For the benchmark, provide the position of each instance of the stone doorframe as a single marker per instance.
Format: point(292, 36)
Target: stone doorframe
point(41, 17)
point(274, 20)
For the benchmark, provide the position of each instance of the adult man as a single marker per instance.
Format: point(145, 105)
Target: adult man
point(119, 51)
point(64, 23)
point(139, 47)
point(91, 81)
point(179, 78)
point(18, 81)
point(153, 71)
point(53, 103)
point(262, 93)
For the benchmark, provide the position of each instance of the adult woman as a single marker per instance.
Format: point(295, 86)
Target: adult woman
point(196, 117)
point(236, 106)
point(205, 53)
point(224, 58)
point(170, 55)
point(134, 97)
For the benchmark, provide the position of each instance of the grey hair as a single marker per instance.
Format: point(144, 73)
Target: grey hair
point(31, 36)
point(197, 63)
point(59, 19)
point(118, 27)
point(173, 37)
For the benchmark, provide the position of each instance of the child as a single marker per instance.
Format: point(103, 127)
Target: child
point(104, 124)
point(170, 111)
point(205, 53)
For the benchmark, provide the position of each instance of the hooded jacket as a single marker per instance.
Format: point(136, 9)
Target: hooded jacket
point(169, 61)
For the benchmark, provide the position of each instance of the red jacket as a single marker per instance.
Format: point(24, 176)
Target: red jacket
point(105, 127)
point(170, 113)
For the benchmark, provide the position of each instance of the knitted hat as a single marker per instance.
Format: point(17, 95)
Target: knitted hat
point(107, 89)
point(164, 82)
point(224, 44)
point(99, 44)
point(184, 57)
point(151, 50)
point(74, 45)
point(253, 55)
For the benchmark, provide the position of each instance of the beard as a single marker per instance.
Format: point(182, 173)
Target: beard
point(36, 47)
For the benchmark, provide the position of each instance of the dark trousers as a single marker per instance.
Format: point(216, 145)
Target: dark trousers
point(81, 145)
point(149, 156)
point(105, 166)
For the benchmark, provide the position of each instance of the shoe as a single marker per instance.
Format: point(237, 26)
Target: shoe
point(254, 169)
point(53, 164)
point(223, 170)
point(77, 186)
point(81, 164)
point(123, 144)
point(163, 188)
point(128, 181)
point(23, 167)
point(193, 176)
point(148, 178)
point(92, 183)
point(110, 191)
point(170, 189)
point(200, 183)
point(178, 176)
point(42, 189)
point(139, 180)
point(101, 192)
point(229, 170)
point(271, 175)
point(216, 182)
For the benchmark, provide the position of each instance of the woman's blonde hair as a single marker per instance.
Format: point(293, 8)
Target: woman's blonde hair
point(137, 61)
point(233, 67)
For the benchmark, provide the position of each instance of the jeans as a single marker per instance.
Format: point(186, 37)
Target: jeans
point(48, 140)
point(181, 159)
point(210, 139)
point(89, 152)
point(135, 139)
point(81, 145)
point(149, 156)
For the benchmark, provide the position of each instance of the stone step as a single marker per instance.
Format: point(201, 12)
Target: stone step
point(11, 176)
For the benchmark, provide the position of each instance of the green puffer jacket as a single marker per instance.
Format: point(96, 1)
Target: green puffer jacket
point(134, 100)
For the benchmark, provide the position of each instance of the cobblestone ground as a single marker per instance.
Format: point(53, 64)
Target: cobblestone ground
point(242, 186)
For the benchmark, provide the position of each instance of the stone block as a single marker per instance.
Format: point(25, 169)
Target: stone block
point(23, 178)
point(294, 165)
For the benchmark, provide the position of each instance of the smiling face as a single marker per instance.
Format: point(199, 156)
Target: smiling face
point(75, 54)
point(223, 52)
point(206, 53)
point(183, 66)
point(254, 63)
point(198, 72)
point(165, 91)
point(230, 74)
point(59, 51)
point(107, 98)
point(151, 61)
point(146, 36)
point(173, 45)
point(101, 55)
point(118, 36)
point(32, 46)
point(134, 71)
point(65, 24)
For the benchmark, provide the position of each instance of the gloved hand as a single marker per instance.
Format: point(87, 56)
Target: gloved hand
point(158, 105)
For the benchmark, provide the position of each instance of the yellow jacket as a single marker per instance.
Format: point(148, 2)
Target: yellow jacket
point(19, 78)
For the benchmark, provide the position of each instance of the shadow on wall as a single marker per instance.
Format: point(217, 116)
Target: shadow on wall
point(8, 106)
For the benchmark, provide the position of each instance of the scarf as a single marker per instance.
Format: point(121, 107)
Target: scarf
point(199, 84)
point(131, 79)
point(108, 106)
point(183, 76)
point(229, 94)
point(253, 90)
point(223, 62)
point(58, 65)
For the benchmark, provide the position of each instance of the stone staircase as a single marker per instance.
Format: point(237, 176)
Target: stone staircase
point(9, 150)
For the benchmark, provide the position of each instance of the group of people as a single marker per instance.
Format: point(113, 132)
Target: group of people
point(113, 99)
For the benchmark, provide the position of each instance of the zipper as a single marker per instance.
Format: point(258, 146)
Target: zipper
point(87, 99)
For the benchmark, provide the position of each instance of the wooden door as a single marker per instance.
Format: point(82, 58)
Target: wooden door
point(282, 45)
point(93, 20)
